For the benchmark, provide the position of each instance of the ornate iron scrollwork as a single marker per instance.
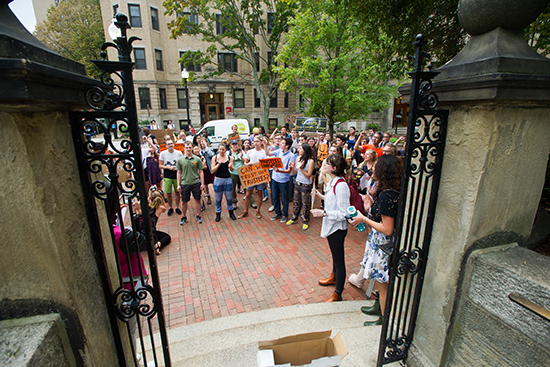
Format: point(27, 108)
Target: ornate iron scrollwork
point(426, 134)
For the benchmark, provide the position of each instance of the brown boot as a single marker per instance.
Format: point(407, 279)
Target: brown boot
point(334, 298)
point(329, 281)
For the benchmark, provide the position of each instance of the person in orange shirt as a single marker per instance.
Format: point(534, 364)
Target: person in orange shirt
point(376, 139)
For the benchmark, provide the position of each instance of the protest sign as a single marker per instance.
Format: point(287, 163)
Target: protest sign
point(274, 162)
point(253, 174)
point(322, 152)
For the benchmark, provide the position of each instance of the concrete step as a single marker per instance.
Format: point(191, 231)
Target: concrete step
point(233, 340)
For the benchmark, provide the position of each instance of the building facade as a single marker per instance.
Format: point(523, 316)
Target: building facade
point(161, 95)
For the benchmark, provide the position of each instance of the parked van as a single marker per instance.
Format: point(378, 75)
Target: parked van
point(217, 130)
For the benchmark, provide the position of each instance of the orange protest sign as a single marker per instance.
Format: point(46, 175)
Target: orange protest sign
point(253, 175)
point(275, 162)
point(322, 152)
point(178, 146)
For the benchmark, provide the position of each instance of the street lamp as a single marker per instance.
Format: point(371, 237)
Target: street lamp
point(185, 76)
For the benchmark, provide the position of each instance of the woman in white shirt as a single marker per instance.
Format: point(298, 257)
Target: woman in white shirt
point(303, 185)
point(335, 225)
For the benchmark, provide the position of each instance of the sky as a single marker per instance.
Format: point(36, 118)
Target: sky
point(24, 11)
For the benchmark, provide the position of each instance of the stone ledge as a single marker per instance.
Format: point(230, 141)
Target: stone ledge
point(35, 341)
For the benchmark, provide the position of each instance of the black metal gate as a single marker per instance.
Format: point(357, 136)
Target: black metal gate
point(426, 134)
point(112, 177)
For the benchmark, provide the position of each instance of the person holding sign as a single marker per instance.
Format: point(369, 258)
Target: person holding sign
point(221, 164)
point(280, 178)
point(254, 156)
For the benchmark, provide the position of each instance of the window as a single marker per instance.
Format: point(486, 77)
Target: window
point(139, 58)
point(257, 61)
point(158, 59)
point(144, 98)
point(257, 122)
point(228, 62)
point(155, 19)
point(272, 124)
point(238, 98)
point(270, 22)
point(286, 99)
point(115, 9)
point(135, 15)
point(190, 23)
point(256, 99)
point(273, 101)
point(162, 98)
point(182, 99)
point(222, 24)
point(192, 66)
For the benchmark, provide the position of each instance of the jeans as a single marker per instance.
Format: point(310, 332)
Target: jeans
point(280, 191)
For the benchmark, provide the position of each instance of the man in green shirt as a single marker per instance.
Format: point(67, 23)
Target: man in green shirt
point(190, 181)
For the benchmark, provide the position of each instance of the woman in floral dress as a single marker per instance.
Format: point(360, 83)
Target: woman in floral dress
point(381, 219)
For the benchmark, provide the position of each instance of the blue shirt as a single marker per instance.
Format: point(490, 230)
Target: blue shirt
point(286, 158)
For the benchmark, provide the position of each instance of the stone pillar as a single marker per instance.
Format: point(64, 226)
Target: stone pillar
point(498, 92)
point(50, 278)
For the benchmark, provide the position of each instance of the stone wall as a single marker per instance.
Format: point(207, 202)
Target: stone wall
point(48, 265)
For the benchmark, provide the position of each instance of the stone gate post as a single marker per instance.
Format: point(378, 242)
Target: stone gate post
point(498, 141)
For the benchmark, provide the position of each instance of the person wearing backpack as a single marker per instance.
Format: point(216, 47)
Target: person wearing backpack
point(335, 226)
point(381, 219)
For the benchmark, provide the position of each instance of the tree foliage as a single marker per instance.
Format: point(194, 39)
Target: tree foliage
point(399, 21)
point(238, 27)
point(74, 29)
point(334, 67)
point(538, 33)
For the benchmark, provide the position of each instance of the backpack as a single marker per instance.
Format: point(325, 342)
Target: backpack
point(355, 198)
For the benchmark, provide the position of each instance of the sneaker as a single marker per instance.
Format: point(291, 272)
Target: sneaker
point(265, 198)
point(271, 208)
point(170, 212)
point(178, 211)
point(208, 200)
point(183, 221)
point(254, 206)
point(290, 222)
point(275, 217)
point(284, 219)
point(305, 226)
point(199, 219)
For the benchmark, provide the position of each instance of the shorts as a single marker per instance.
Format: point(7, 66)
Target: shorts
point(257, 187)
point(187, 190)
point(169, 183)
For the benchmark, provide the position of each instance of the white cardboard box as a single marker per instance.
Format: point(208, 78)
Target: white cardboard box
point(309, 350)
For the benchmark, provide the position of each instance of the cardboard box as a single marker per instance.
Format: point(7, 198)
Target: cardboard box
point(311, 350)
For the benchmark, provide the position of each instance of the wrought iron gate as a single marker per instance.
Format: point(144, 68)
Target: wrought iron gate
point(426, 134)
point(113, 181)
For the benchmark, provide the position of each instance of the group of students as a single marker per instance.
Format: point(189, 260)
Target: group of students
point(379, 169)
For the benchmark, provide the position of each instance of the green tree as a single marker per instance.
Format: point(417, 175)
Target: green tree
point(74, 29)
point(239, 28)
point(538, 33)
point(399, 21)
point(333, 66)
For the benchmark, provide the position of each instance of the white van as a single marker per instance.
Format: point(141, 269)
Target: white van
point(217, 130)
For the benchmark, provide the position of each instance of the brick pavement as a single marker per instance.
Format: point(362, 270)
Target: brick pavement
point(214, 269)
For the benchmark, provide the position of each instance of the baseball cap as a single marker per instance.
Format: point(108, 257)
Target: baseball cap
point(234, 141)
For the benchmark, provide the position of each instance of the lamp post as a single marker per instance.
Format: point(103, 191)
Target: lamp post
point(185, 76)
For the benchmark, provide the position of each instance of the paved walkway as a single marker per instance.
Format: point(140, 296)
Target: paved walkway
point(214, 269)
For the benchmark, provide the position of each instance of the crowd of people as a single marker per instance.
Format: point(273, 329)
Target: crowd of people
point(314, 166)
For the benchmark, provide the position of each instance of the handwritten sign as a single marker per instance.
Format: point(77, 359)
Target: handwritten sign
point(178, 146)
point(253, 174)
point(322, 152)
point(234, 136)
point(275, 162)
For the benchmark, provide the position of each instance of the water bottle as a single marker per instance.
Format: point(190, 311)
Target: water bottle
point(352, 212)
